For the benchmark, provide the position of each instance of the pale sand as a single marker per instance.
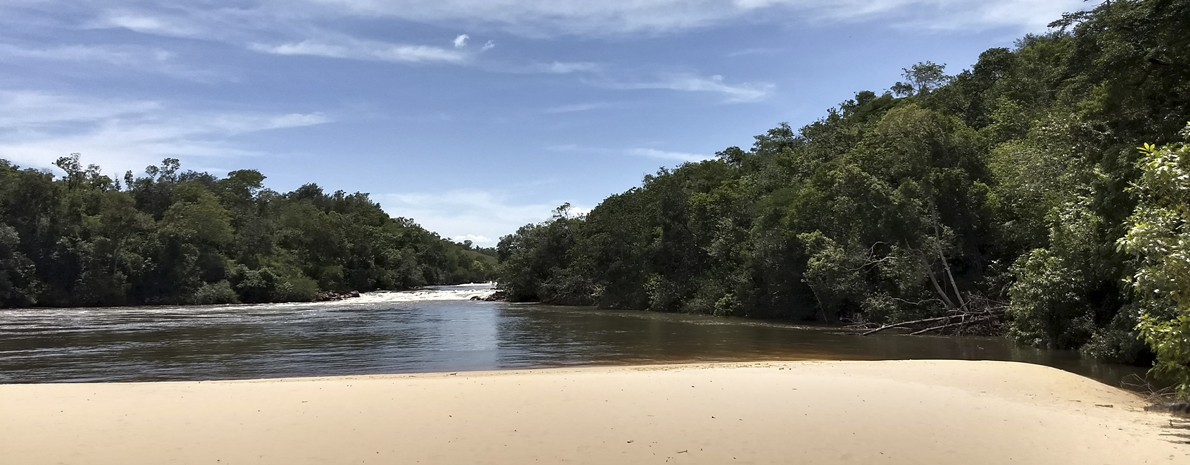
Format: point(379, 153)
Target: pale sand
point(904, 412)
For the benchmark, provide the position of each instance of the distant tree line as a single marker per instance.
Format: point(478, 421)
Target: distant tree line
point(185, 237)
point(1015, 183)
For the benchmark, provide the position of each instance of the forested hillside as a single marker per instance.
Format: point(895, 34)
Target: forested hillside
point(1008, 190)
point(184, 237)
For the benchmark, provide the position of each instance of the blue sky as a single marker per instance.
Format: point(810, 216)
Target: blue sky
point(471, 116)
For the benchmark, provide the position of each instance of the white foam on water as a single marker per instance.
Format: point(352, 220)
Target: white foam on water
point(435, 293)
point(462, 292)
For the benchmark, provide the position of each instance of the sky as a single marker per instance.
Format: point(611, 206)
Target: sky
point(473, 117)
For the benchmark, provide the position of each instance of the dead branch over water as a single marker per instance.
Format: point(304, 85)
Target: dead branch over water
point(978, 315)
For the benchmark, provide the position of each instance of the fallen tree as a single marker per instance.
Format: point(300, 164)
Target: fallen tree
point(978, 315)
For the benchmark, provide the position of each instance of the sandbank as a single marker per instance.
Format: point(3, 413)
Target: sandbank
point(897, 412)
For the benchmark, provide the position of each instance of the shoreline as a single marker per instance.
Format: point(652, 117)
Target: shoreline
point(331, 298)
point(896, 412)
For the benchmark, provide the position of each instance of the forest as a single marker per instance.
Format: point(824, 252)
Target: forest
point(186, 237)
point(1042, 194)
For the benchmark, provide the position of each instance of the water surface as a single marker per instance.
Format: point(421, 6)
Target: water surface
point(435, 330)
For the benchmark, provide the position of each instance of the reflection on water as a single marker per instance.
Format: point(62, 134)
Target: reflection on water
point(432, 331)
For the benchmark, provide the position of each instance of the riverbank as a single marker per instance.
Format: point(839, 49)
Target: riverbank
point(900, 412)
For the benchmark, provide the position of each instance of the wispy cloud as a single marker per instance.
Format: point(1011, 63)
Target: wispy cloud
point(742, 92)
point(323, 28)
point(574, 108)
point(481, 240)
point(635, 152)
point(1027, 15)
point(586, 18)
point(665, 155)
point(366, 50)
point(553, 67)
point(475, 214)
point(572, 148)
point(537, 18)
point(38, 127)
point(753, 51)
point(117, 55)
point(268, 27)
point(27, 111)
point(140, 58)
point(561, 67)
point(148, 24)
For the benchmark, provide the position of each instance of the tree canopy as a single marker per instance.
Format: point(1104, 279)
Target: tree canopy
point(185, 237)
point(1014, 184)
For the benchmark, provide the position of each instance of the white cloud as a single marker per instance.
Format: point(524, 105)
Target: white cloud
point(137, 23)
point(664, 155)
point(115, 55)
point(636, 152)
point(587, 18)
point(28, 110)
point(36, 128)
point(569, 148)
point(1028, 15)
point(482, 240)
point(270, 27)
point(468, 213)
point(559, 67)
point(142, 59)
point(228, 20)
point(576, 108)
point(753, 51)
point(744, 92)
point(148, 24)
point(324, 27)
point(365, 50)
point(554, 67)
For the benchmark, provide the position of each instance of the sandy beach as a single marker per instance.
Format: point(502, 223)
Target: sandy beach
point(901, 412)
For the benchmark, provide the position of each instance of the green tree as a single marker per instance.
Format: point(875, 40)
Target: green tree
point(922, 79)
point(174, 236)
point(1159, 239)
point(534, 258)
point(16, 271)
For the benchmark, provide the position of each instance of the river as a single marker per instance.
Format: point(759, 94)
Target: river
point(435, 330)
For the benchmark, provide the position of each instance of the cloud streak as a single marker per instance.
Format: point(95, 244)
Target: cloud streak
point(283, 19)
point(479, 215)
point(116, 55)
point(322, 28)
point(716, 84)
point(140, 58)
point(664, 155)
point(366, 50)
point(655, 17)
point(635, 152)
point(147, 24)
point(38, 127)
point(575, 108)
point(561, 67)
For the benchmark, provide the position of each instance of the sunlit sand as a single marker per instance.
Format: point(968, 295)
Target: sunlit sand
point(902, 412)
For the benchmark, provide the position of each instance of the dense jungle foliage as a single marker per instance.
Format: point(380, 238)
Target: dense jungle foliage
point(183, 237)
point(1016, 184)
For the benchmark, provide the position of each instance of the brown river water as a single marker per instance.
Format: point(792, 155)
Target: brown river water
point(436, 330)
